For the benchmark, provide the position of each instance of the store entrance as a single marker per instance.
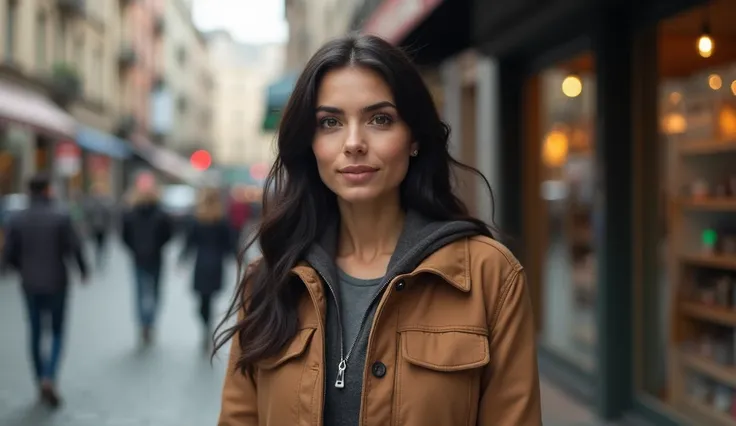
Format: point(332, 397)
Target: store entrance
point(560, 178)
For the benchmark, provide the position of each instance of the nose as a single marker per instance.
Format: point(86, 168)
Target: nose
point(354, 142)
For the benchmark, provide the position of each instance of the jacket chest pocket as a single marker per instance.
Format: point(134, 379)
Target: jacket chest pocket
point(438, 375)
point(287, 384)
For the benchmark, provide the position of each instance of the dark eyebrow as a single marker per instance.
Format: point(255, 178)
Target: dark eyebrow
point(369, 108)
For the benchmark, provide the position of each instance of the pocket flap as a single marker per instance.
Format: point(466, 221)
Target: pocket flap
point(291, 350)
point(445, 350)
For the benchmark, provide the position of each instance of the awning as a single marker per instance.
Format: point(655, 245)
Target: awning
point(277, 96)
point(102, 143)
point(21, 105)
point(172, 163)
point(420, 25)
point(393, 20)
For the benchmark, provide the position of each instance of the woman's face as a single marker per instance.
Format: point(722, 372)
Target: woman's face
point(361, 144)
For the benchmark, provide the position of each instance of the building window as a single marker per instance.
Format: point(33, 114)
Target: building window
point(60, 41)
point(563, 215)
point(181, 55)
point(98, 70)
point(182, 104)
point(11, 30)
point(41, 41)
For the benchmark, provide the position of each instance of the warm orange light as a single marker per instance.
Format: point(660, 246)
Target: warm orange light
point(572, 86)
point(715, 82)
point(705, 46)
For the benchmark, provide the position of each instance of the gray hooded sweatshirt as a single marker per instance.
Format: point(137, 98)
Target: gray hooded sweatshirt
point(347, 330)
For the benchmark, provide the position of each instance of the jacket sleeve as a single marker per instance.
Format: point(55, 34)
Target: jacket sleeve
point(11, 250)
point(510, 395)
point(73, 245)
point(239, 402)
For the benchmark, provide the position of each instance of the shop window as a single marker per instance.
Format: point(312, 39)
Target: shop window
point(11, 30)
point(689, 346)
point(41, 41)
point(563, 145)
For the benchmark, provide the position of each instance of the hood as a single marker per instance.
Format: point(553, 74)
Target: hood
point(420, 238)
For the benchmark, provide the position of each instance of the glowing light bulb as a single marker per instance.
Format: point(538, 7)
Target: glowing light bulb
point(572, 86)
point(705, 46)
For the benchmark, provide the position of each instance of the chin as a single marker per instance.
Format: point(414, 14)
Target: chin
point(359, 195)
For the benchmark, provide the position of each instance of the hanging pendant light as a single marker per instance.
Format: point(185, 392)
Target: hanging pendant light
point(705, 41)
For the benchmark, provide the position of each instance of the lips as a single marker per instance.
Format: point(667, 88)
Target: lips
point(357, 169)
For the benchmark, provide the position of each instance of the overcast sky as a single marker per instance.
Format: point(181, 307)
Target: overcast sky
point(249, 21)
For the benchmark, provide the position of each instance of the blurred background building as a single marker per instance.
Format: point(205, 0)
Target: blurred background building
point(243, 72)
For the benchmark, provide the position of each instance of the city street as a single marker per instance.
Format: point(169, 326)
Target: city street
point(108, 380)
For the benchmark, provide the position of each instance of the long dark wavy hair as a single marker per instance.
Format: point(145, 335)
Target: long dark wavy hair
point(297, 206)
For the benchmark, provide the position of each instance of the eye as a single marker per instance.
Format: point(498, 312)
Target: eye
point(329, 122)
point(381, 120)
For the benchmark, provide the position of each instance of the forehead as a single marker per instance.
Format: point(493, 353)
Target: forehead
point(352, 88)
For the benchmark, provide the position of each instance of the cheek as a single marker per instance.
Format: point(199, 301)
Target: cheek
point(323, 153)
point(397, 156)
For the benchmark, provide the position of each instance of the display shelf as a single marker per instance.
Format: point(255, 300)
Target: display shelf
point(718, 204)
point(708, 147)
point(702, 266)
point(710, 368)
point(727, 262)
point(714, 314)
point(714, 416)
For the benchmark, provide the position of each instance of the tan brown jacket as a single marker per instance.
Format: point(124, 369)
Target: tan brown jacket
point(456, 337)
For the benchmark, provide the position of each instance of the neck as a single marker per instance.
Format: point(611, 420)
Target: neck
point(369, 230)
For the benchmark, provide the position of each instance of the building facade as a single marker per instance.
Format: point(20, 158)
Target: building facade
point(60, 82)
point(242, 73)
point(311, 24)
point(186, 80)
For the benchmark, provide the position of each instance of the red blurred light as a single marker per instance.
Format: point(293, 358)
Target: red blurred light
point(201, 160)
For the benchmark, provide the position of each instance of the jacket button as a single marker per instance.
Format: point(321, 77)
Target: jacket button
point(400, 286)
point(378, 369)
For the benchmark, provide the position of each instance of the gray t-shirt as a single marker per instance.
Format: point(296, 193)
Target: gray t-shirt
point(355, 298)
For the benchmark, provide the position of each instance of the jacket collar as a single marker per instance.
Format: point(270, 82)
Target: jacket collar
point(451, 263)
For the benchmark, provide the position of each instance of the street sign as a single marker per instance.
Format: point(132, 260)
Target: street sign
point(68, 158)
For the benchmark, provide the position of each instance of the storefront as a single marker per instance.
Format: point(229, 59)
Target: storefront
point(30, 125)
point(618, 126)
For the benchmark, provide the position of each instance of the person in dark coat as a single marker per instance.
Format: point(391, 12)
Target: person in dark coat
point(211, 237)
point(146, 230)
point(39, 241)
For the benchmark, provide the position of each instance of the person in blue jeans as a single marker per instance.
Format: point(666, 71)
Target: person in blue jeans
point(39, 240)
point(146, 230)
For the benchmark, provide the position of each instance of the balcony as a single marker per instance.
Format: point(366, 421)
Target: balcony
point(126, 126)
point(127, 56)
point(71, 7)
point(65, 84)
point(159, 26)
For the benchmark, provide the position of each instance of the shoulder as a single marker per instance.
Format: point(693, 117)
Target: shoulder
point(490, 254)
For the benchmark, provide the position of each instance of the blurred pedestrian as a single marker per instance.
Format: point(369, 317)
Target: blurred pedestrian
point(99, 213)
point(210, 237)
point(379, 298)
point(146, 230)
point(39, 240)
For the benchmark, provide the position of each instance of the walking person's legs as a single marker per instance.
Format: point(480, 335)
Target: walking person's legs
point(56, 306)
point(205, 314)
point(34, 334)
point(100, 246)
point(144, 308)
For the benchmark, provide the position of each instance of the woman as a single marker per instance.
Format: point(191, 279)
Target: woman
point(210, 236)
point(146, 230)
point(378, 300)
